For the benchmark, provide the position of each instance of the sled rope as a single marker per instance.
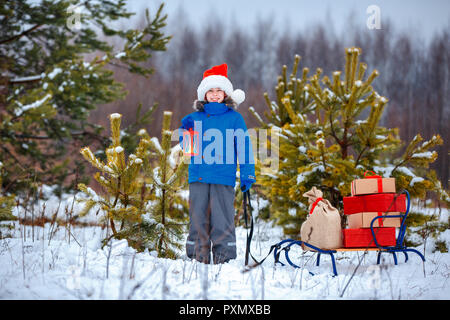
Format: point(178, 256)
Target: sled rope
point(249, 216)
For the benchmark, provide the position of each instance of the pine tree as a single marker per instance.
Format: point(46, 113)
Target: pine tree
point(49, 86)
point(142, 199)
point(167, 177)
point(6, 203)
point(123, 200)
point(286, 129)
point(329, 134)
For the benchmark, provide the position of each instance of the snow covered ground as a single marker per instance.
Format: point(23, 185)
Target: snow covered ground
point(47, 263)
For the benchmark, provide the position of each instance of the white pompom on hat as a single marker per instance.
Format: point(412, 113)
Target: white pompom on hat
point(216, 77)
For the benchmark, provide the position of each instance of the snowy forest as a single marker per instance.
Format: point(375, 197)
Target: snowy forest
point(94, 195)
point(418, 88)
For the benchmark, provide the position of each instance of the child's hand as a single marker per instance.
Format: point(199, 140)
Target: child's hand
point(245, 188)
point(246, 185)
point(187, 123)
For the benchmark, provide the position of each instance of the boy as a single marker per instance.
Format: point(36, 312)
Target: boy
point(212, 173)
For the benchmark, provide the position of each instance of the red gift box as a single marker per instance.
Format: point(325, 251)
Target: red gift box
point(383, 202)
point(362, 238)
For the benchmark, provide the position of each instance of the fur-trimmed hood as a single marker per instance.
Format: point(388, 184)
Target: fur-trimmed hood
point(229, 102)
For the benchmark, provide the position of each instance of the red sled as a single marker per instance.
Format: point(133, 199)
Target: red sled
point(383, 202)
point(363, 238)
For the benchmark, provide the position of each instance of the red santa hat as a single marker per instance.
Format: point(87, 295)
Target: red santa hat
point(216, 77)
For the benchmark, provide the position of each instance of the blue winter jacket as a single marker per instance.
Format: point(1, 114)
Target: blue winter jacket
point(223, 139)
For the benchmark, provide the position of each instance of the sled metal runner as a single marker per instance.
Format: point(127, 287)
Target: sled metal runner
point(399, 247)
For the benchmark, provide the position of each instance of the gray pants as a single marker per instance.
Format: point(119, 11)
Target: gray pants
point(211, 226)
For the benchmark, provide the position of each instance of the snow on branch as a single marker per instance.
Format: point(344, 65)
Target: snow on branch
point(22, 109)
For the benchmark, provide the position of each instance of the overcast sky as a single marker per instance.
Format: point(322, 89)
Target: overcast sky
point(417, 16)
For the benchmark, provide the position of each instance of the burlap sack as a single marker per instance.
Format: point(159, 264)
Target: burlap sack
point(323, 226)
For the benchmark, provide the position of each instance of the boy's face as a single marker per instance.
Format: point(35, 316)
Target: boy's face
point(215, 95)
